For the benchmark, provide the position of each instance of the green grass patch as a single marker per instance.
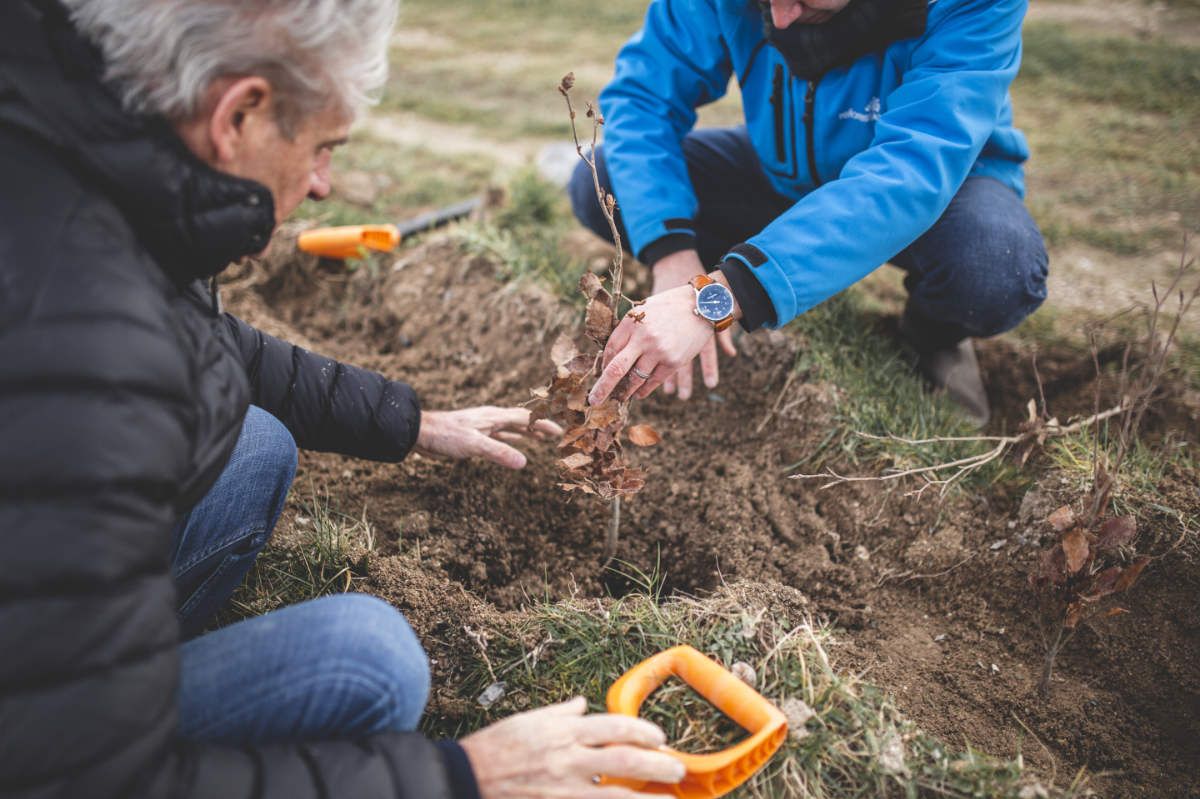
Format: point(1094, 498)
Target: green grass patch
point(881, 395)
point(327, 553)
point(848, 739)
point(525, 237)
point(1111, 123)
point(1135, 74)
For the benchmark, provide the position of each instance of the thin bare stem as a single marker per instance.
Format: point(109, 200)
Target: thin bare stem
point(614, 531)
point(960, 468)
point(607, 207)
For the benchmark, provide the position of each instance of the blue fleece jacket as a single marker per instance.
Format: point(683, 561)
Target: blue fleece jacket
point(872, 153)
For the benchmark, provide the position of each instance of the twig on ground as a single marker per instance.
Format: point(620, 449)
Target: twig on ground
point(1036, 431)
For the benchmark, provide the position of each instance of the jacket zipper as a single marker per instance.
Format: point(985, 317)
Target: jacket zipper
point(810, 98)
point(777, 104)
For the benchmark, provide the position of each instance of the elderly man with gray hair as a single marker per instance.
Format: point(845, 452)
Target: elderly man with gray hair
point(148, 439)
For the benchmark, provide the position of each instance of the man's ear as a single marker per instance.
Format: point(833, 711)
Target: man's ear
point(242, 113)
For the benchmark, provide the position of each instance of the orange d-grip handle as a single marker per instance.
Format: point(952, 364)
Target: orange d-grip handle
point(718, 773)
point(349, 241)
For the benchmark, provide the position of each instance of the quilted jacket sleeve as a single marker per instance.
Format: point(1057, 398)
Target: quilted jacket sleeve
point(328, 406)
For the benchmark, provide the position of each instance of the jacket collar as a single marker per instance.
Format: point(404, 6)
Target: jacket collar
point(193, 219)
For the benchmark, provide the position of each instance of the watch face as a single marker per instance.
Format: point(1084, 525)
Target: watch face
point(714, 302)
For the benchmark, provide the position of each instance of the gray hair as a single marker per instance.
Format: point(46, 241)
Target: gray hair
point(162, 55)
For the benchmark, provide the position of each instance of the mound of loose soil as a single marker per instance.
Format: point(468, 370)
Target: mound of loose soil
point(930, 596)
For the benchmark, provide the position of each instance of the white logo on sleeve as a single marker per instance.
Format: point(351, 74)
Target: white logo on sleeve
point(871, 113)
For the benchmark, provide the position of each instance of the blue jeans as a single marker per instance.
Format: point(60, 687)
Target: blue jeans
point(978, 271)
point(337, 666)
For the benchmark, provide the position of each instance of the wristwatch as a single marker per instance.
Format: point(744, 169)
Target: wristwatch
point(714, 302)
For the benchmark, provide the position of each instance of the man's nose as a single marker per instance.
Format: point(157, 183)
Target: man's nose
point(318, 184)
point(318, 181)
point(785, 12)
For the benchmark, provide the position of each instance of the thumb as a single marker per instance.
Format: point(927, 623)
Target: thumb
point(572, 707)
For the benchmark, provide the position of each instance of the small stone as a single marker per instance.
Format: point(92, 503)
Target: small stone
point(939, 638)
point(798, 713)
point(996, 545)
point(492, 694)
point(1034, 791)
point(862, 553)
point(745, 672)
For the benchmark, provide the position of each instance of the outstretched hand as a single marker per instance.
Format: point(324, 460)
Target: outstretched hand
point(557, 751)
point(482, 432)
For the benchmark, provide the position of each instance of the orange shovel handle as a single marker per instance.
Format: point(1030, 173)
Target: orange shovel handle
point(350, 241)
point(715, 774)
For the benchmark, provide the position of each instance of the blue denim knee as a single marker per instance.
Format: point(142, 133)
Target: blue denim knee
point(376, 640)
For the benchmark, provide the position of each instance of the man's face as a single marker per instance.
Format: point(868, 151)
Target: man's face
point(804, 12)
point(295, 168)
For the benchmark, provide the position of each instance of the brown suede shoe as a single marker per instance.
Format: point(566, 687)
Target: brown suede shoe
point(955, 370)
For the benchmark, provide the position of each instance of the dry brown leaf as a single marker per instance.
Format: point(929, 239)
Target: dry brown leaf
point(1074, 613)
point(1115, 612)
point(643, 435)
point(599, 323)
point(1117, 532)
point(572, 435)
point(590, 284)
point(576, 460)
point(581, 366)
point(1075, 548)
point(1062, 519)
point(1130, 575)
point(1104, 584)
point(604, 415)
point(1051, 568)
point(564, 350)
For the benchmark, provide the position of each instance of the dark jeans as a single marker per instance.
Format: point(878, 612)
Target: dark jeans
point(978, 271)
point(337, 666)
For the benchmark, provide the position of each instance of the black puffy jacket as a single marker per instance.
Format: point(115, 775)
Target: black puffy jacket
point(122, 391)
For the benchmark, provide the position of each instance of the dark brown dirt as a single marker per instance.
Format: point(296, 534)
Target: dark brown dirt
point(931, 597)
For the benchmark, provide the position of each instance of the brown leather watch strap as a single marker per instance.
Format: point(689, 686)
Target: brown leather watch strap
point(699, 282)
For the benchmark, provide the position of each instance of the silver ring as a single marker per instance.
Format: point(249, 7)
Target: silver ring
point(640, 373)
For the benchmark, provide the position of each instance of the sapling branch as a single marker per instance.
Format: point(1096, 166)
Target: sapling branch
point(594, 461)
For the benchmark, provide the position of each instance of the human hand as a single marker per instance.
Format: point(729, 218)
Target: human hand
point(670, 272)
point(557, 751)
point(481, 433)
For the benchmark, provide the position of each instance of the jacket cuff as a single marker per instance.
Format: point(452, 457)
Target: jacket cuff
point(660, 248)
point(458, 770)
point(752, 298)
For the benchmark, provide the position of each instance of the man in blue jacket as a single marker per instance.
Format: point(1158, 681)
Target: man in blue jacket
point(875, 130)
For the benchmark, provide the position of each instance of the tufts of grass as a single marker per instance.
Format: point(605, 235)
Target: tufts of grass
point(880, 394)
point(525, 238)
point(328, 554)
point(847, 739)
